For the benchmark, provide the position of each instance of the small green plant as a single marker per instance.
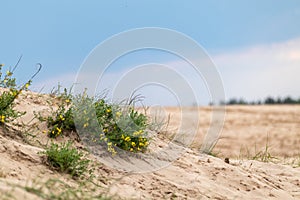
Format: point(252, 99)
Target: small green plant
point(67, 159)
point(7, 111)
point(214, 154)
point(61, 118)
point(10, 92)
point(264, 155)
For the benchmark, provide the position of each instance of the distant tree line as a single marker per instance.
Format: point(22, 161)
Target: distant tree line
point(268, 101)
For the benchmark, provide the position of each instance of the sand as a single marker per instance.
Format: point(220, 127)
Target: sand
point(191, 176)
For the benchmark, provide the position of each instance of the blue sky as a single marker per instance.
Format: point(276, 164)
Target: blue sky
point(254, 44)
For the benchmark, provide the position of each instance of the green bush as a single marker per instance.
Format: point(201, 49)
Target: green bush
point(122, 127)
point(65, 158)
point(118, 126)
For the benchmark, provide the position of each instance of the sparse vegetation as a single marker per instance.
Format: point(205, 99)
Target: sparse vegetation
point(61, 118)
point(65, 158)
point(118, 126)
point(56, 189)
point(263, 155)
point(9, 94)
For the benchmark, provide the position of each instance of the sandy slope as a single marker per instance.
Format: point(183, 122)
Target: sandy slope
point(192, 176)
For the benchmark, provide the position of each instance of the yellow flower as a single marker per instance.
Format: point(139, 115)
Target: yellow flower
point(127, 139)
point(108, 110)
point(131, 149)
point(133, 144)
point(136, 133)
point(67, 101)
point(8, 73)
point(62, 118)
point(2, 118)
point(105, 130)
point(122, 137)
point(143, 143)
point(101, 136)
point(118, 114)
point(85, 125)
point(27, 85)
point(58, 130)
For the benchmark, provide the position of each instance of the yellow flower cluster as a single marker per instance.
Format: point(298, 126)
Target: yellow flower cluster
point(142, 142)
point(126, 139)
point(56, 132)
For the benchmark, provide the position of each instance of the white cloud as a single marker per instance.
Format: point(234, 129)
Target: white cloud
point(262, 70)
point(45, 86)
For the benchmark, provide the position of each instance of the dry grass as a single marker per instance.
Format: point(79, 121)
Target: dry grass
point(3, 174)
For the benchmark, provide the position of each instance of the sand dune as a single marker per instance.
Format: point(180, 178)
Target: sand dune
point(191, 176)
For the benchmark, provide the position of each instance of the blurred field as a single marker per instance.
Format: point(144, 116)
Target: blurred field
point(248, 129)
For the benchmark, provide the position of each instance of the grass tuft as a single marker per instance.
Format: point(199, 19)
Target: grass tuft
point(67, 159)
